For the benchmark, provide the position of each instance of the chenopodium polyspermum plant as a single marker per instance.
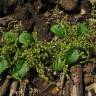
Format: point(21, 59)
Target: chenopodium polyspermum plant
point(12, 55)
point(24, 53)
point(74, 44)
point(66, 56)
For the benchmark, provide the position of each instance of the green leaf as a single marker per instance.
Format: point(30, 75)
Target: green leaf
point(26, 38)
point(9, 37)
point(58, 65)
point(20, 70)
point(72, 56)
point(58, 30)
point(4, 64)
point(82, 29)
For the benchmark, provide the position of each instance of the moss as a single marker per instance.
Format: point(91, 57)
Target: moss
point(93, 12)
point(43, 54)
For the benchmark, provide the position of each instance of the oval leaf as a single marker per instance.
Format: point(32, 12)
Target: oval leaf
point(72, 56)
point(26, 38)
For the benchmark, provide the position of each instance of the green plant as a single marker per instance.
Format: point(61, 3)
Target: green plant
point(81, 29)
point(58, 65)
point(9, 37)
point(56, 54)
point(72, 56)
point(59, 30)
point(4, 63)
point(26, 38)
point(20, 69)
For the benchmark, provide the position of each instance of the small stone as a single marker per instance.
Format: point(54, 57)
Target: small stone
point(55, 91)
point(69, 5)
point(83, 11)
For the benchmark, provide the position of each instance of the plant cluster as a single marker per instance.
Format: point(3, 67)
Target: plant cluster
point(22, 52)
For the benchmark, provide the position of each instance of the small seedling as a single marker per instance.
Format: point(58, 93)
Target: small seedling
point(72, 56)
point(58, 65)
point(26, 38)
point(9, 37)
point(4, 64)
point(58, 30)
point(21, 70)
point(81, 29)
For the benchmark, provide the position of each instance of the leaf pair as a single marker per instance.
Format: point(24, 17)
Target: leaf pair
point(61, 30)
point(25, 38)
point(72, 56)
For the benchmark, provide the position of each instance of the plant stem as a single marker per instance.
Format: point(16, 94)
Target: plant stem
point(13, 88)
point(5, 86)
